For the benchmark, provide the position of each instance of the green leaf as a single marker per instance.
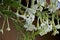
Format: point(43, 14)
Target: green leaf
point(8, 13)
point(12, 3)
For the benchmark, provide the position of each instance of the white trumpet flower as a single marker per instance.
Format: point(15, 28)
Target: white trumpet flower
point(55, 32)
point(22, 16)
point(57, 26)
point(1, 30)
point(8, 29)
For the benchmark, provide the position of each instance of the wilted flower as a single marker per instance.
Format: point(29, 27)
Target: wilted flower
point(49, 28)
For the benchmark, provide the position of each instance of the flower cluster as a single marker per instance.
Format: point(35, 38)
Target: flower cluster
point(45, 26)
point(45, 21)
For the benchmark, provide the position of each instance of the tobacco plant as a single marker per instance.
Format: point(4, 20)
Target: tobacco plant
point(35, 18)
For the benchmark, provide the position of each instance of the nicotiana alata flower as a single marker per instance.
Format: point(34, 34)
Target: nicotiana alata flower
point(41, 2)
point(8, 29)
point(31, 10)
point(40, 8)
point(35, 7)
point(57, 26)
point(45, 27)
point(30, 19)
point(1, 30)
point(45, 30)
point(22, 16)
point(55, 32)
point(54, 6)
point(44, 23)
point(52, 9)
point(30, 27)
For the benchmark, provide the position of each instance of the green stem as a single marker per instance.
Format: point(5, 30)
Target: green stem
point(57, 18)
point(33, 36)
point(32, 3)
point(54, 28)
point(27, 2)
point(38, 22)
point(40, 16)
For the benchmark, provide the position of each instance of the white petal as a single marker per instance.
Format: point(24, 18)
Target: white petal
point(58, 0)
point(30, 27)
point(57, 26)
point(55, 32)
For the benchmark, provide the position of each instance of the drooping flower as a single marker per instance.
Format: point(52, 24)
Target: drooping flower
point(22, 16)
point(8, 29)
point(0, 16)
point(1, 30)
point(45, 27)
point(55, 32)
point(57, 26)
